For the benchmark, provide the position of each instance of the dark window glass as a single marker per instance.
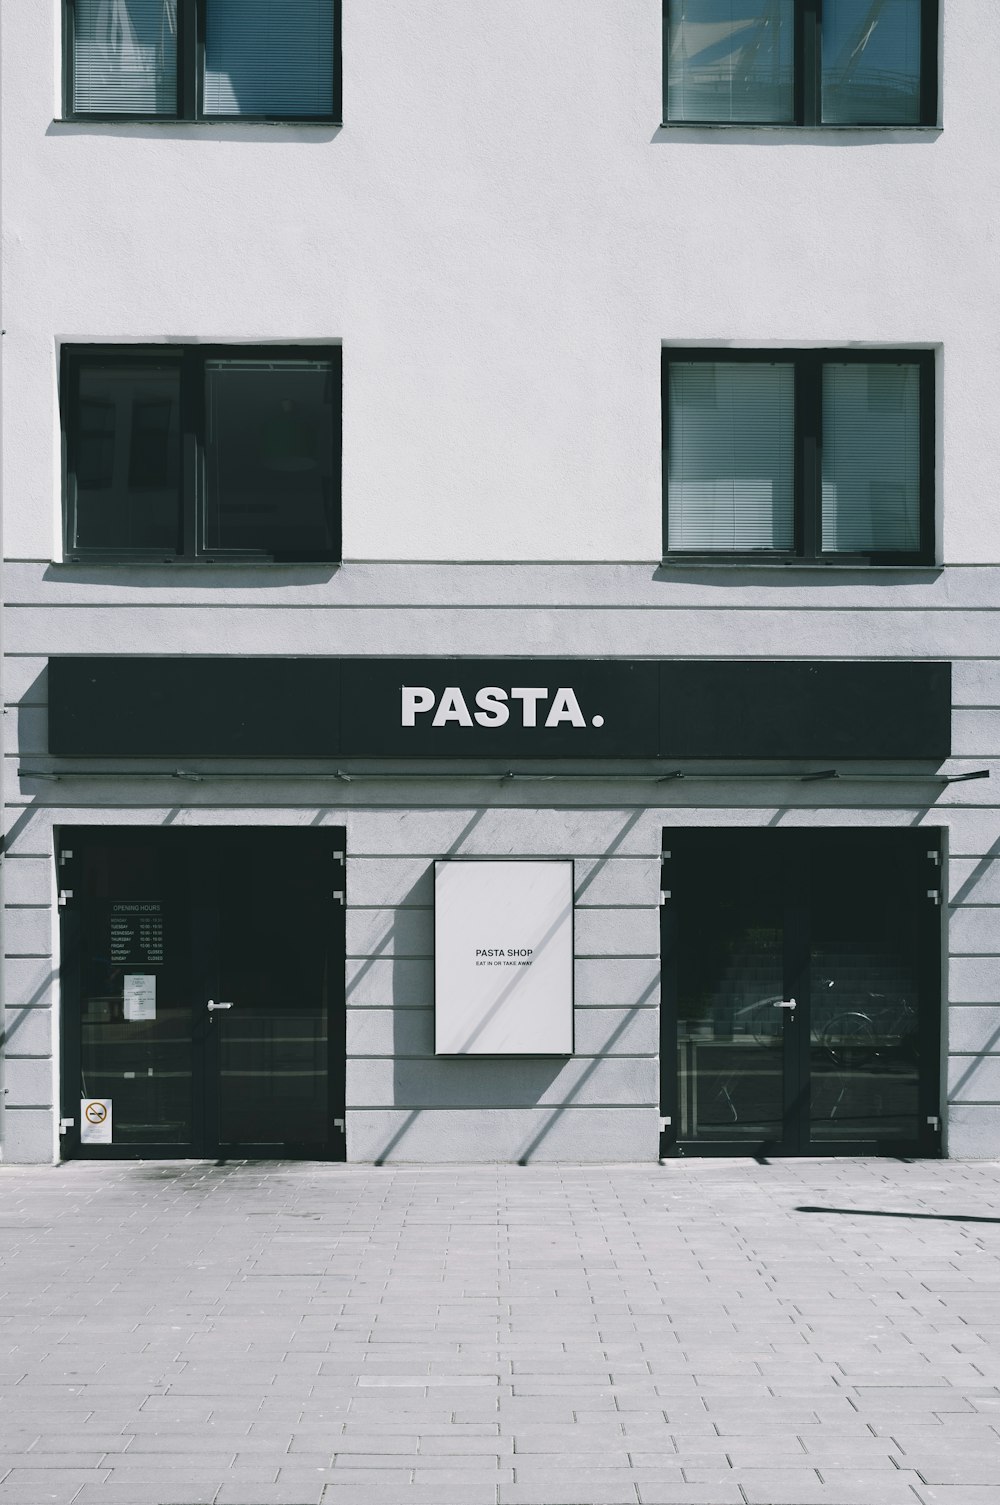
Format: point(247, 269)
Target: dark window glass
point(871, 62)
point(127, 460)
point(269, 457)
point(731, 60)
point(125, 57)
point(269, 57)
point(259, 435)
point(95, 465)
point(816, 455)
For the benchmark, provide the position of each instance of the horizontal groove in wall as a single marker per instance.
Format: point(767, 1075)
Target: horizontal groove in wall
point(548, 1108)
point(345, 808)
point(578, 903)
point(494, 607)
point(428, 1008)
point(567, 1057)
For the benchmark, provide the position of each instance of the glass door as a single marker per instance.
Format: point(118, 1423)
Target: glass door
point(202, 983)
point(266, 1016)
point(800, 985)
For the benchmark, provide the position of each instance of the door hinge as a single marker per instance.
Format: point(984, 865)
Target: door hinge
point(65, 1124)
point(65, 857)
point(934, 896)
point(64, 894)
point(933, 1122)
point(338, 856)
point(664, 895)
point(338, 893)
point(935, 857)
point(664, 856)
point(665, 1124)
point(338, 1123)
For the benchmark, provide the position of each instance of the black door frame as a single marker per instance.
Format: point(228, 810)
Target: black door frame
point(927, 847)
point(205, 1143)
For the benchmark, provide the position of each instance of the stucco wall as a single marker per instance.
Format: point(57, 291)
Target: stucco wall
point(502, 237)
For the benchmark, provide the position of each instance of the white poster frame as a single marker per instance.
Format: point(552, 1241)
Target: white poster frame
point(561, 1040)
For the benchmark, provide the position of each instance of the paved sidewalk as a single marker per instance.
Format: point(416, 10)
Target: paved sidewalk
point(704, 1332)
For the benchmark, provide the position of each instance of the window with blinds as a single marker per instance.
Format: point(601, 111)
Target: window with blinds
point(730, 448)
point(204, 59)
point(871, 62)
point(800, 62)
point(269, 58)
point(871, 458)
point(125, 57)
point(730, 60)
point(824, 456)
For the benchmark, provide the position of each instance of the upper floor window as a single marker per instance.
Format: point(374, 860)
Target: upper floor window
point(800, 62)
point(203, 59)
point(824, 456)
point(218, 453)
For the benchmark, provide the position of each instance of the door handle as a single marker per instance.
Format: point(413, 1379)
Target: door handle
point(212, 1005)
point(785, 1003)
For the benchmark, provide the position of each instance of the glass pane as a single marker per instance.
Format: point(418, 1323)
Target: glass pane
point(269, 458)
point(871, 457)
point(125, 57)
point(269, 57)
point(871, 62)
point(730, 974)
point(274, 920)
point(864, 986)
point(731, 456)
point(127, 458)
point(731, 60)
point(135, 995)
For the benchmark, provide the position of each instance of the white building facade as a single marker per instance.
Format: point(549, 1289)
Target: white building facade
point(318, 423)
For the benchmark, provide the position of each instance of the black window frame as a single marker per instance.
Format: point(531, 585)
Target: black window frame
point(192, 362)
point(191, 25)
point(808, 454)
point(808, 77)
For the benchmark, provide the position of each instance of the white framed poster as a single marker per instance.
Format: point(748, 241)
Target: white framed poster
point(503, 957)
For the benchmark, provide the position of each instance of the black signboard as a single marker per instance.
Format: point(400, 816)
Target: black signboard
point(498, 708)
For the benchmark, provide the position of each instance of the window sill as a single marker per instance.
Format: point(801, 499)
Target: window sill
point(212, 123)
point(206, 562)
point(809, 566)
point(788, 128)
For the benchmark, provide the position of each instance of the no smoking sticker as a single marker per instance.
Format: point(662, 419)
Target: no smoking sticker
point(95, 1120)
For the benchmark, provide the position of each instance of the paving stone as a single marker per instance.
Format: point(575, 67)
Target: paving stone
point(390, 1336)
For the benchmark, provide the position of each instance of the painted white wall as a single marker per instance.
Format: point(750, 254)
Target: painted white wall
point(502, 237)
